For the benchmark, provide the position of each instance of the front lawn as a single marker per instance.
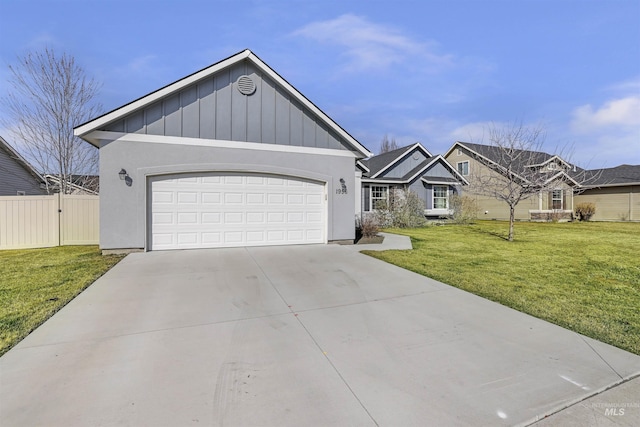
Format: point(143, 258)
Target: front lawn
point(36, 283)
point(582, 276)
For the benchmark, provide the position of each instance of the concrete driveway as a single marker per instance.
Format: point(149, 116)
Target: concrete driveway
point(303, 335)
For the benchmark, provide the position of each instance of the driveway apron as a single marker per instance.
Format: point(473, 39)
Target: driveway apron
point(296, 335)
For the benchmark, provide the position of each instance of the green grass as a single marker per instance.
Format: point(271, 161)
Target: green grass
point(36, 283)
point(582, 276)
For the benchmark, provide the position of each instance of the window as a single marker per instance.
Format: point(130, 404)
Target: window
point(440, 197)
point(379, 193)
point(463, 168)
point(551, 166)
point(556, 199)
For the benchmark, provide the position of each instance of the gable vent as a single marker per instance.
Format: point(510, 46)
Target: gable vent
point(246, 86)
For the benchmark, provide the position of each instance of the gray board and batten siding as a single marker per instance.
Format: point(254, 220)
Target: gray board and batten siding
point(412, 160)
point(214, 108)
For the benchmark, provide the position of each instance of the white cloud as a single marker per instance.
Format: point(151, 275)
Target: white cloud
point(609, 134)
point(372, 46)
point(623, 112)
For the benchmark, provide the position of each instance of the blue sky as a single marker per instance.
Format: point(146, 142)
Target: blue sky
point(430, 71)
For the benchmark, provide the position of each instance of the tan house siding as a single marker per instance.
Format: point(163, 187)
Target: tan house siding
point(492, 208)
point(613, 203)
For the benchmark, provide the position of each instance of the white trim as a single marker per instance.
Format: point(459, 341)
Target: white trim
point(180, 140)
point(414, 146)
point(382, 181)
point(433, 197)
point(434, 212)
point(84, 129)
point(371, 209)
point(468, 167)
point(362, 165)
point(554, 198)
point(555, 156)
point(446, 164)
point(439, 182)
point(559, 176)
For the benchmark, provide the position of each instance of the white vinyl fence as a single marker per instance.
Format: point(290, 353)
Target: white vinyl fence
point(44, 221)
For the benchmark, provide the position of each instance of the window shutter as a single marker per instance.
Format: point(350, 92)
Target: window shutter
point(367, 198)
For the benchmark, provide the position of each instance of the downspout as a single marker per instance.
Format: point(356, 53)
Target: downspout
point(59, 219)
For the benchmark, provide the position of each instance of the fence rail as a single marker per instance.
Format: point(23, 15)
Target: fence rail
point(45, 221)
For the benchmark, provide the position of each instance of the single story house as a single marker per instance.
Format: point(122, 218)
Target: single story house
point(412, 168)
point(615, 193)
point(231, 155)
point(17, 176)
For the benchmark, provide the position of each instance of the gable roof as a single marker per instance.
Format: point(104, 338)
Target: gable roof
point(419, 170)
point(20, 160)
point(523, 160)
point(84, 130)
point(493, 154)
point(382, 162)
point(616, 176)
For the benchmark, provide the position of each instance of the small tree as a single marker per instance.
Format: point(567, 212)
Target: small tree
point(49, 95)
point(511, 174)
point(386, 145)
point(464, 209)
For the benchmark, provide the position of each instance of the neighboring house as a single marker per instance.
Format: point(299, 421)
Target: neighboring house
point(473, 160)
point(615, 193)
point(232, 155)
point(76, 184)
point(17, 176)
point(412, 168)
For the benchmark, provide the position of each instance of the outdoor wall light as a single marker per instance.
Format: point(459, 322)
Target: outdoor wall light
point(122, 174)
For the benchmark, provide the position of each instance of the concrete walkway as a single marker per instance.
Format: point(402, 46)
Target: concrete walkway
point(303, 335)
point(391, 241)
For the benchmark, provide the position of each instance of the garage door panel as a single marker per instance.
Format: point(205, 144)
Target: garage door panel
point(235, 210)
point(211, 198)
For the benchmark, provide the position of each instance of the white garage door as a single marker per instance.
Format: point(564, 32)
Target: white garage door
point(225, 210)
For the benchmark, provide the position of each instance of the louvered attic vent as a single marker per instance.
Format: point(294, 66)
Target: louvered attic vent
point(246, 86)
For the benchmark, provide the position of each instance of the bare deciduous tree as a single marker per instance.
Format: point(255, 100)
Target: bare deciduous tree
point(49, 95)
point(386, 145)
point(517, 168)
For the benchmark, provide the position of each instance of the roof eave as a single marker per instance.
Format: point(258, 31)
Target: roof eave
point(85, 129)
point(397, 159)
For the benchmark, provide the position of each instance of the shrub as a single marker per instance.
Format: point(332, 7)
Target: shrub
point(584, 211)
point(464, 209)
point(404, 210)
point(367, 226)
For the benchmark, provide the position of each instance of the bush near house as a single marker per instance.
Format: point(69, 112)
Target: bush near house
point(583, 276)
point(404, 209)
point(367, 226)
point(464, 209)
point(584, 211)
